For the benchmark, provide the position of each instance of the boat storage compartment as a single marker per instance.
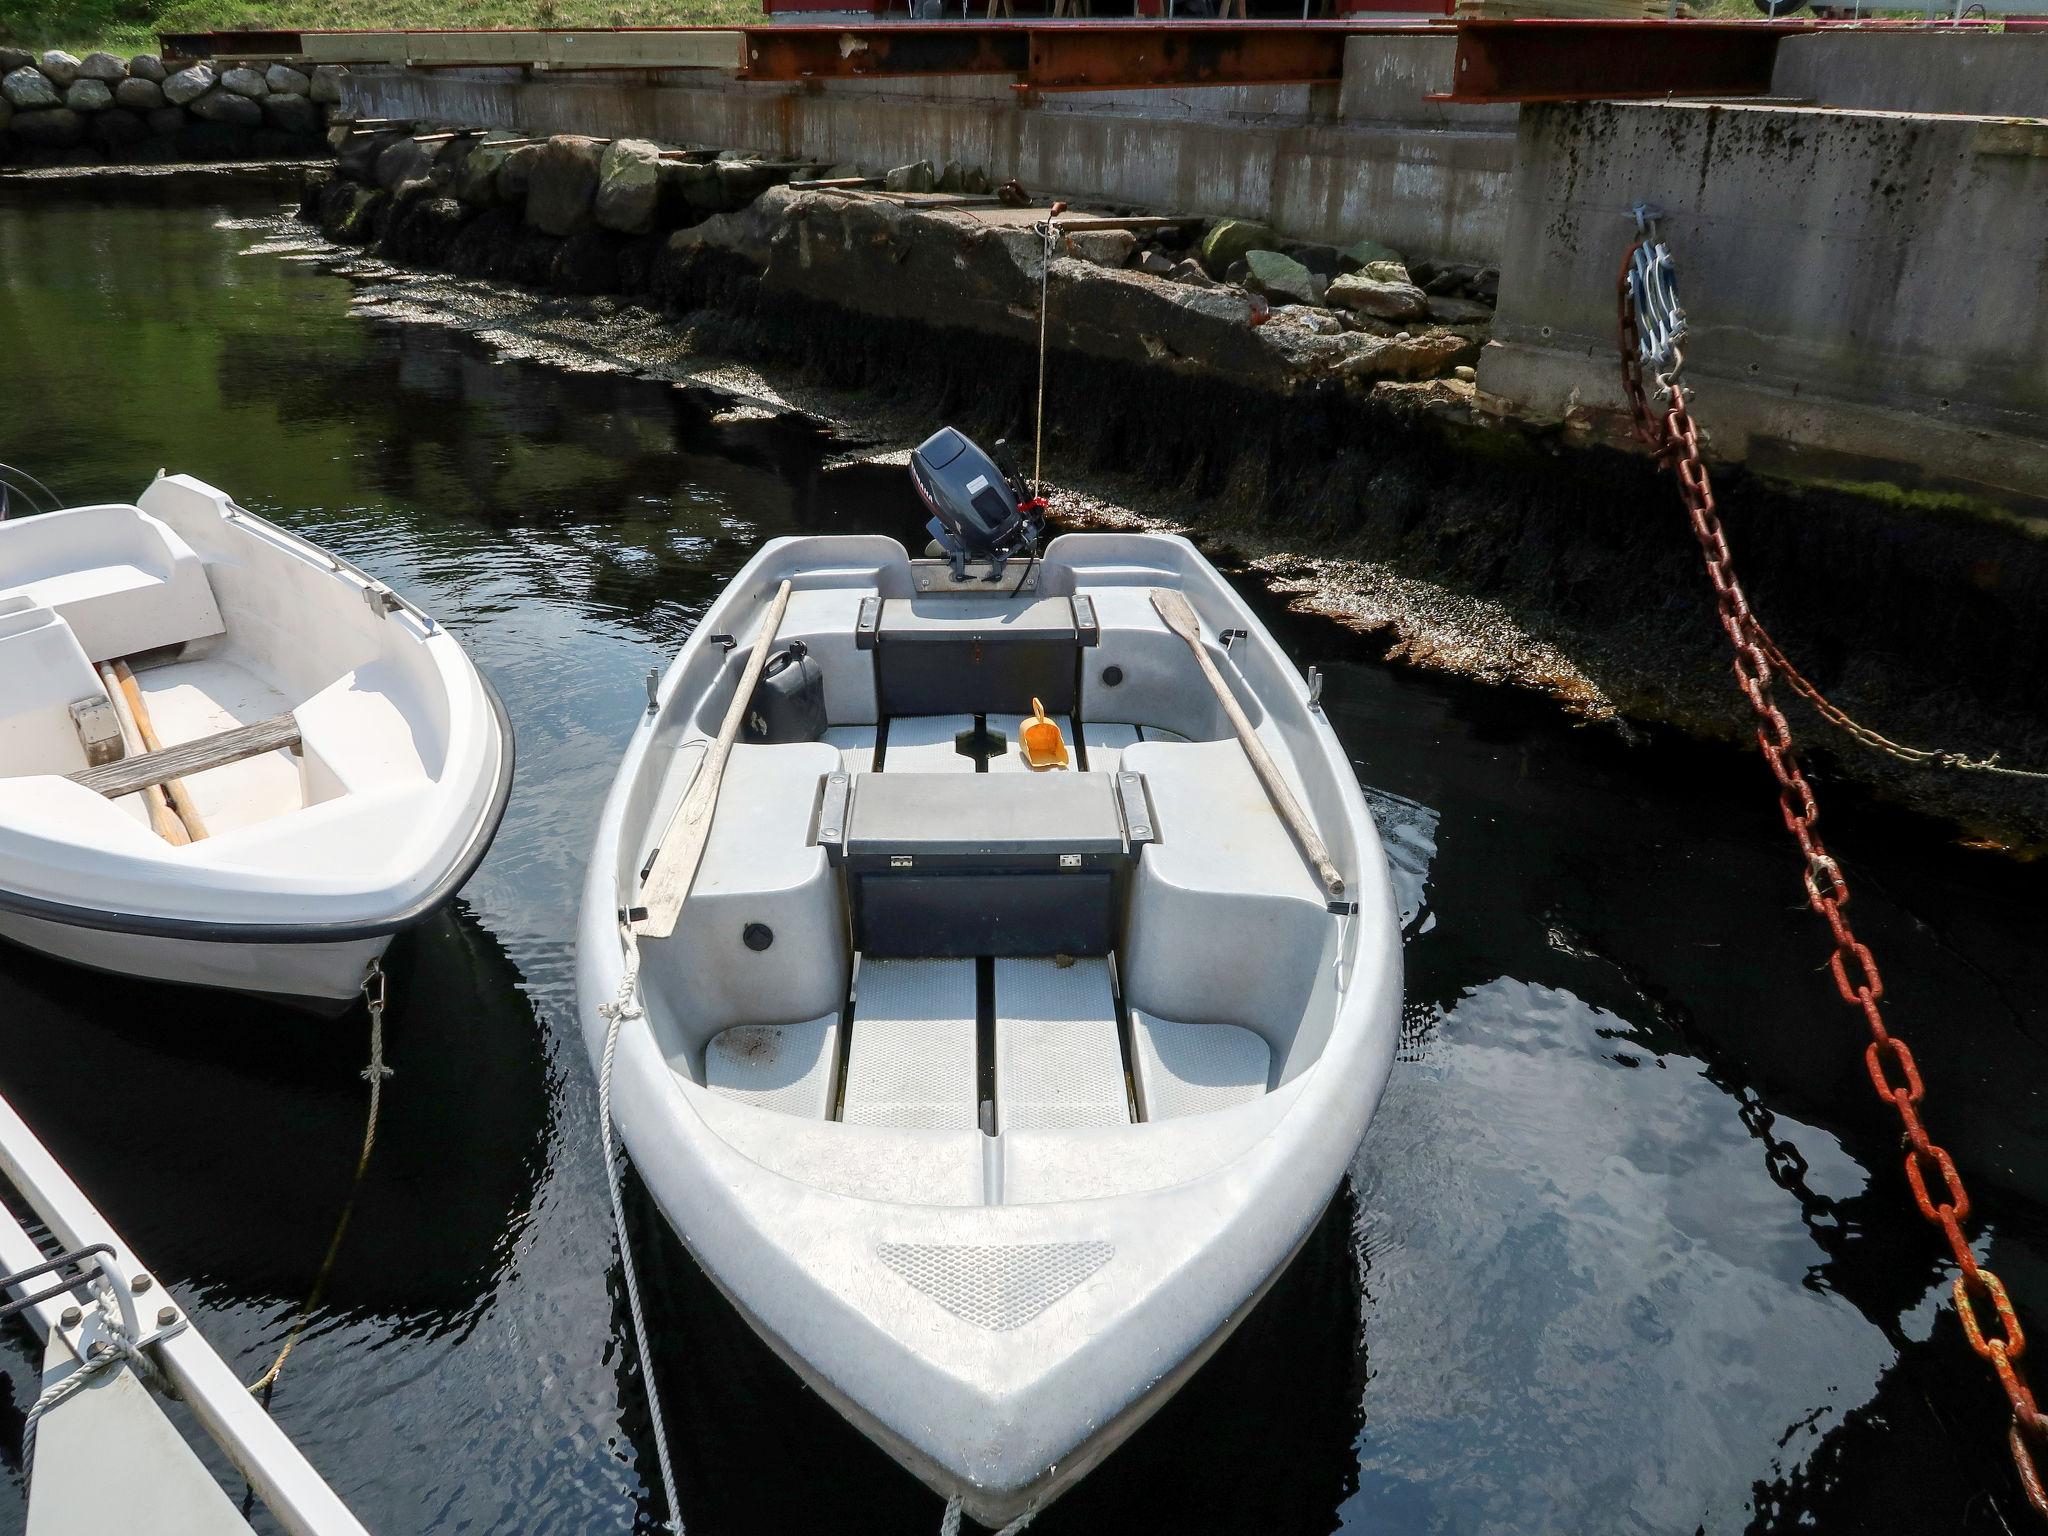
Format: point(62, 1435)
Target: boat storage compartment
point(948, 654)
point(961, 864)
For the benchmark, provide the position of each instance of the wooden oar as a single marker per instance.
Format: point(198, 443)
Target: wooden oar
point(1180, 618)
point(682, 845)
point(175, 792)
point(161, 816)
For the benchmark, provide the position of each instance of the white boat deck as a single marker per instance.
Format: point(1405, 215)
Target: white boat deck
point(190, 700)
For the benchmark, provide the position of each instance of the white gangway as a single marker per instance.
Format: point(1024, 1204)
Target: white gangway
point(107, 1458)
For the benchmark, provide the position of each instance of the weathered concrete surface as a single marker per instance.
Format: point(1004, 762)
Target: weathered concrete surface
point(2003, 74)
point(1868, 283)
point(1369, 159)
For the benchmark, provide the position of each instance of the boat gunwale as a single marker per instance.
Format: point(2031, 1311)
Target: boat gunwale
point(224, 931)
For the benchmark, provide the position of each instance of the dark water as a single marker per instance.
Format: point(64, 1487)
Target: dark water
point(1627, 1248)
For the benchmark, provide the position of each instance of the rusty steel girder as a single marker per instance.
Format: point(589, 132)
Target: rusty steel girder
point(1506, 61)
point(1062, 56)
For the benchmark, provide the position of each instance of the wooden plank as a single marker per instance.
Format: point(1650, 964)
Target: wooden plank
point(175, 792)
point(161, 817)
point(653, 48)
point(153, 768)
point(668, 882)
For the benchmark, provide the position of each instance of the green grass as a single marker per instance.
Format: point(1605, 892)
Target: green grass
point(130, 26)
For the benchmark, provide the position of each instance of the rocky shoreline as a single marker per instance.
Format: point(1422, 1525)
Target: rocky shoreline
point(59, 110)
point(1316, 437)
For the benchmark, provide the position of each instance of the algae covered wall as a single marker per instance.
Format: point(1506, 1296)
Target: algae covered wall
point(1867, 292)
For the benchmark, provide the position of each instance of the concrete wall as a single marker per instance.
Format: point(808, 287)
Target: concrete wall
point(1367, 159)
point(1871, 284)
point(1992, 74)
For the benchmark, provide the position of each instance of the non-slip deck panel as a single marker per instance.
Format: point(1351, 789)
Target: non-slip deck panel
point(1190, 1069)
point(910, 1060)
point(1058, 1064)
point(927, 744)
point(856, 744)
point(784, 1067)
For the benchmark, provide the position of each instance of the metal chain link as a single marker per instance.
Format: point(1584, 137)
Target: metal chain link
point(1672, 437)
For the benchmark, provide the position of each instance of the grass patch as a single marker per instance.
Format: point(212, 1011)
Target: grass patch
point(130, 26)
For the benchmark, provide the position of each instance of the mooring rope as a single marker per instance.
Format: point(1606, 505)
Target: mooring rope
point(374, 1073)
point(115, 1348)
point(618, 1011)
point(1049, 230)
point(949, 1523)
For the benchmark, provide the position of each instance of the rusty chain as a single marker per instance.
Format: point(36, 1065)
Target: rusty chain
point(1673, 439)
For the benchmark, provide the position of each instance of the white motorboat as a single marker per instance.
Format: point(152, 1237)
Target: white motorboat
point(993, 1097)
point(226, 756)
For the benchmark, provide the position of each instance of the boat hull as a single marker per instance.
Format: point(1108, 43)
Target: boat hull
point(323, 978)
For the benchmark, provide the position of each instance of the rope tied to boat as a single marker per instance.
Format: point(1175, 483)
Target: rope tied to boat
point(1894, 1074)
point(949, 1523)
point(376, 995)
point(115, 1347)
point(625, 1005)
point(1049, 231)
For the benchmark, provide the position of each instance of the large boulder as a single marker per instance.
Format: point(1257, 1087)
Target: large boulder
point(476, 176)
point(61, 67)
point(1356, 256)
point(689, 190)
point(1229, 241)
point(325, 85)
point(1455, 311)
point(515, 176)
point(138, 94)
point(628, 186)
point(1281, 278)
point(165, 121)
point(49, 128)
point(103, 67)
point(189, 84)
point(118, 130)
point(228, 108)
point(146, 66)
point(88, 95)
point(919, 177)
point(1383, 301)
point(282, 79)
point(12, 59)
point(292, 114)
point(29, 90)
point(244, 82)
point(1404, 356)
point(562, 188)
point(407, 160)
point(741, 181)
point(1104, 247)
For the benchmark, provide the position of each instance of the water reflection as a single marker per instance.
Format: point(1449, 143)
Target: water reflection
point(1627, 1247)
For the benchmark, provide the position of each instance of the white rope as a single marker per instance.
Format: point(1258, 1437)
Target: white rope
point(113, 1349)
point(374, 1074)
point(949, 1523)
point(618, 1011)
point(1051, 230)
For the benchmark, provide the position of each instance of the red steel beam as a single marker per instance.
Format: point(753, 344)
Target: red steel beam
point(1504, 61)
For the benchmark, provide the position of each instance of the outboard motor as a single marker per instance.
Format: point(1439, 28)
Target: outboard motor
point(979, 510)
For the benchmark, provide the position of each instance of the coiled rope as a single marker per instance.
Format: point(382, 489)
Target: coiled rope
point(374, 1074)
point(618, 1011)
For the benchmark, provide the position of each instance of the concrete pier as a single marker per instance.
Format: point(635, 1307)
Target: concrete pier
point(1860, 256)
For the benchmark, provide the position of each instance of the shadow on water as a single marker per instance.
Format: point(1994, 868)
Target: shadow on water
point(1627, 1247)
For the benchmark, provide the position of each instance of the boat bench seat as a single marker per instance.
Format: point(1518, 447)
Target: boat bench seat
point(124, 581)
point(1226, 924)
point(45, 672)
point(1190, 1069)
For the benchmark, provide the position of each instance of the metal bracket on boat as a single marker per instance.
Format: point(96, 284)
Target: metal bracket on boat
point(88, 1327)
point(1315, 687)
point(1227, 636)
point(77, 1259)
point(1135, 806)
point(1343, 908)
point(723, 642)
point(653, 690)
point(833, 796)
point(382, 599)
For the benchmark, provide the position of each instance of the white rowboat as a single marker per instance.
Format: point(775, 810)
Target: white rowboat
point(226, 756)
point(993, 1098)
